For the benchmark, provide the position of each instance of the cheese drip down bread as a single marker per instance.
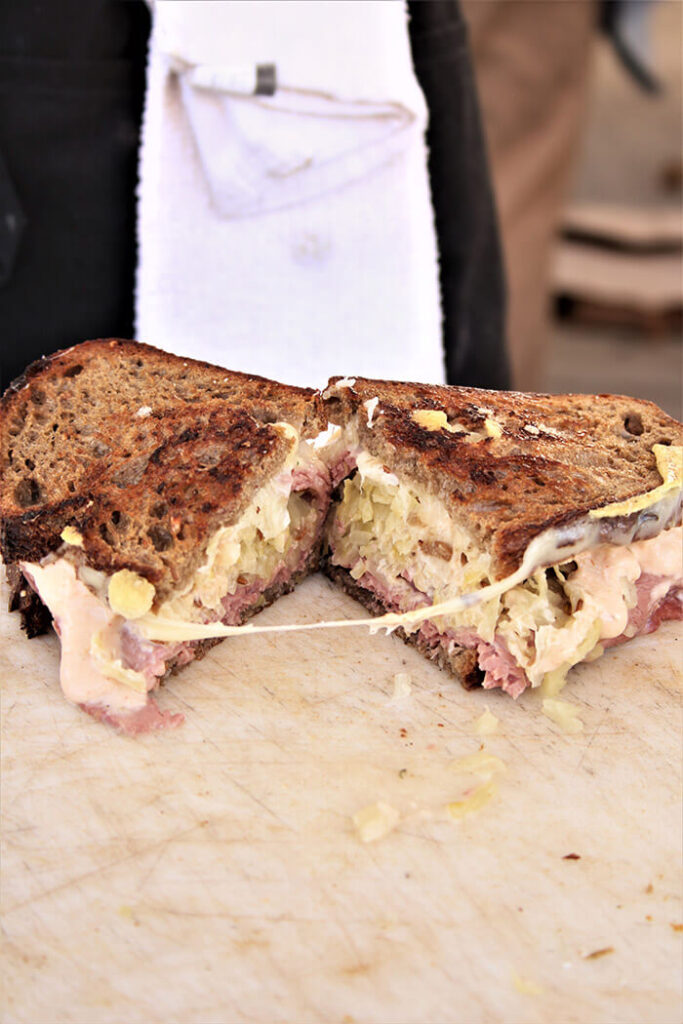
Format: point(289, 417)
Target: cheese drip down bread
point(134, 480)
point(151, 505)
point(513, 535)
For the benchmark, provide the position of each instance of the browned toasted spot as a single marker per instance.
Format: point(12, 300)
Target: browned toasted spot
point(558, 457)
point(79, 444)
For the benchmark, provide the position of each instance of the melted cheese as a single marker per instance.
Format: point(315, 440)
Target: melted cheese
point(70, 535)
point(129, 595)
point(551, 547)
point(603, 588)
point(80, 618)
point(492, 427)
point(669, 460)
point(435, 419)
point(370, 407)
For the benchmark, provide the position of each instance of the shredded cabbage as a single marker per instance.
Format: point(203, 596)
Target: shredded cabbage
point(406, 539)
point(249, 551)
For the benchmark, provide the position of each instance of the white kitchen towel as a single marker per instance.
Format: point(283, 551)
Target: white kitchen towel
point(289, 234)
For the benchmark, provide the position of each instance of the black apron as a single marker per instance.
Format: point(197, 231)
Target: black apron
point(71, 94)
point(471, 265)
point(71, 91)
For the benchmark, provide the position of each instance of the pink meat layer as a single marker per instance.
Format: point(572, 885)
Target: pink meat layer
point(495, 660)
point(498, 665)
point(132, 723)
point(401, 596)
point(313, 477)
point(342, 468)
point(149, 657)
point(648, 615)
point(154, 659)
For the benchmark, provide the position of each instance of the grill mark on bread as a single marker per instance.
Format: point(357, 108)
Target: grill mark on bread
point(73, 414)
point(579, 456)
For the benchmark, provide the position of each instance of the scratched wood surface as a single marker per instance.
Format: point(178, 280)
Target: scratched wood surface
point(213, 874)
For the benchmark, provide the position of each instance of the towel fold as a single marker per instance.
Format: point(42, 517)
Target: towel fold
point(288, 234)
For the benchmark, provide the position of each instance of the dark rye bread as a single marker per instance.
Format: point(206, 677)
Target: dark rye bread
point(558, 457)
point(145, 491)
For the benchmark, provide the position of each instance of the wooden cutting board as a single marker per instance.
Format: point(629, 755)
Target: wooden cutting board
point(213, 874)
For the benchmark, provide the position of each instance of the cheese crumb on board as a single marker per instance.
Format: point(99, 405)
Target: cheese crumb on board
point(481, 796)
point(526, 986)
point(402, 686)
point(375, 821)
point(480, 763)
point(486, 724)
point(564, 714)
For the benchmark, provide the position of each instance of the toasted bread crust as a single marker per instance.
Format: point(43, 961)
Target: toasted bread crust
point(175, 376)
point(35, 616)
point(144, 452)
point(558, 456)
point(176, 494)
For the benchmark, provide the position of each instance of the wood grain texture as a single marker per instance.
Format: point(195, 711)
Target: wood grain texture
point(212, 874)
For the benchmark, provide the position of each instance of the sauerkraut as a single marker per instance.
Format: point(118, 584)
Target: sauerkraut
point(402, 540)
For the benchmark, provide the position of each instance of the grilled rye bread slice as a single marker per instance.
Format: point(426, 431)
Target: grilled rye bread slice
point(557, 456)
point(144, 452)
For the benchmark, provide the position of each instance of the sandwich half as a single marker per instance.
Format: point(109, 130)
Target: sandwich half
point(514, 535)
point(137, 482)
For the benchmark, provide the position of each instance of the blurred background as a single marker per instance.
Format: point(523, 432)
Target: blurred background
point(582, 117)
point(618, 285)
point(589, 123)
